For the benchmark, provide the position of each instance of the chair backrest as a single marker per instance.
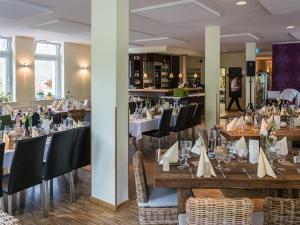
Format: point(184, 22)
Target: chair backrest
point(140, 178)
point(77, 114)
point(219, 211)
point(82, 148)
point(190, 116)
point(56, 117)
point(35, 119)
point(181, 119)
point(27, 164)
point(197, 115)
point(131, 107)
point(87, 117)
point(6, 121)
point(279, 211)
point(164, 123)
point(2, 147)
point(59, 156)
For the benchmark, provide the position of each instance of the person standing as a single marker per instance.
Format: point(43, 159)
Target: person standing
point(235, 89)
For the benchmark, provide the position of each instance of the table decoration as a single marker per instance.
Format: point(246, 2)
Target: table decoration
point(204, 166)
point(264, 168)
point(171, 154)
point(253, 151)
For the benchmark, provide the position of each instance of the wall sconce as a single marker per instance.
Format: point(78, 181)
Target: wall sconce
point(26, 65)
point(84, 68)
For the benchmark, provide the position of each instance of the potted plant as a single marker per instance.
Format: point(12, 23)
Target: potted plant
point(49, 96)
point(40, 95)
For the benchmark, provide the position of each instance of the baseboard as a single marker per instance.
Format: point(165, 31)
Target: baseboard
point(109, 205)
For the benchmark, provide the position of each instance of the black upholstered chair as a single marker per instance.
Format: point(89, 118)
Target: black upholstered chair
point(82, 148)
point(164, 126)
point(59, 161)
point(190, 116)
point(26, 168)
point(35, 119)
point(2, 147)
point(180, 122)
point(197, 118)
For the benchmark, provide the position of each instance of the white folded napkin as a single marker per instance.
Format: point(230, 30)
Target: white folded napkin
point(34, 132)
point(46, 125)
point(204, 167)
point(264, 168)
point(262, 110)
point(199, 145)
point(171, 154)
point(241, 144)
point(264, 128)
point(54, 105)
point(232, 125)
point(283, 146)
point(75, 124)
point(6, 140)
point(85, 103)
point(149, 115)
point(240, 122)
point(270, 122)
point(80, 124)
point(59, 106)
point(297, 122)
point(253, 151)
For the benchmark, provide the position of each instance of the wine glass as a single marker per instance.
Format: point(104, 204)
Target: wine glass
point(219, 155)
point(188, 148)
point(227, 160)
point(181, 158)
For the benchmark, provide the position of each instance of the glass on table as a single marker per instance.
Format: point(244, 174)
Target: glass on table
point(188, 148)
point(227, 160)
point(219, 156)
point(181, 158)
point(242, 155)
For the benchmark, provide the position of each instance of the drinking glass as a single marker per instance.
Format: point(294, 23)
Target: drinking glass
point(188, 148)
point(242, 155)
point(181, 158)
point(219, 155)
point(227, 160)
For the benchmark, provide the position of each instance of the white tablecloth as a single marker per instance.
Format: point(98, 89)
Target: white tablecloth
point(138, 126)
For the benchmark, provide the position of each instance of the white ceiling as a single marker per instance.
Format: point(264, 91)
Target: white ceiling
point(178, 23)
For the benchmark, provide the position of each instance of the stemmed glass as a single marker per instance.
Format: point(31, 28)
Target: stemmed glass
point(219, 155)
point(181, 158)
point(227, 160)
point(188, 148)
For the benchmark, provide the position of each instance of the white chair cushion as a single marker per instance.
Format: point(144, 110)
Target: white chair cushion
point(182, 219)
point(162, 197)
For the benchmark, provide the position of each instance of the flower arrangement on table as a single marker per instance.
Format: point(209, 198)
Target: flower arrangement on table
point(269, 140)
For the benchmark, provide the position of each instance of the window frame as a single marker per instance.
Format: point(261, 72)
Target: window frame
point(8, 79)
point(51, 58)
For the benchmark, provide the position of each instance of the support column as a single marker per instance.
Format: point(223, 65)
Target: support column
point(250, 56)
point(212, 76)
point(110, 31)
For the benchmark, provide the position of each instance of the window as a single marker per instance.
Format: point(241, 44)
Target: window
point(48, 68)
point(5, 67)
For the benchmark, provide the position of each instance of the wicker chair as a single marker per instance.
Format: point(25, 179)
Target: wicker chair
point(209, 211)
point(6, 219)
point(151, 211)
point(278, 211)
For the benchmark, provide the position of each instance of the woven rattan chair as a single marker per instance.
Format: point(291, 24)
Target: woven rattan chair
point(207, 211)
point(7, 219)
point(156, 205)
point(279, 211)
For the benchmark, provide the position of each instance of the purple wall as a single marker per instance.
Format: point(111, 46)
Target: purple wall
point(286, 66)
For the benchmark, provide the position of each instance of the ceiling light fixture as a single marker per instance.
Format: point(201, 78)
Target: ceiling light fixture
point(241, 3)
point(290, 27)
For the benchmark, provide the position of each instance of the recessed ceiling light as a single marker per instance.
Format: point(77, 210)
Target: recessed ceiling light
point(290, 27)
point(241, 3)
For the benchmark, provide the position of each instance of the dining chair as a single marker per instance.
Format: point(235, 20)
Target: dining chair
point(2, 148)
point(189, 119)
point(164, 126)
point(77, 114)
point(180, 122)
point(6, 219)
point(6, 121)
point(156, 205)
point(278, 211)
point(196, 119)
point(210, 211)
point(26, 168)
point(59, 161)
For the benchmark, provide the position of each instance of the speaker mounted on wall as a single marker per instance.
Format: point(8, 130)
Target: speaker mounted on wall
point(250, 69)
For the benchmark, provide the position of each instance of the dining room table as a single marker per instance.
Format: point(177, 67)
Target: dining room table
point(186, 179)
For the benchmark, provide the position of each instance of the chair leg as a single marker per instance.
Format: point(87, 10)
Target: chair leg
point(42, 194)
point(9, 204)
point(71, 186)
point(2, 204)
point(51, 188)
point(45, 201)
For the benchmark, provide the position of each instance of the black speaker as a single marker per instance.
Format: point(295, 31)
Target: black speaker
point(250, 68)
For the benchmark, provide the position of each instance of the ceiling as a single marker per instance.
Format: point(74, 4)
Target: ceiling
point(177, 23)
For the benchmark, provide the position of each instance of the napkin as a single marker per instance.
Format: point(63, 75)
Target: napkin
point(149, 115)
point(283, 147)
point(80, 124)
point(264, 168)
point(201, 166)
point(199, 145)
point(85, 103)
point(264, 128)
point(270, 122)
point(297, 122)
point(240, 122)
point(75, 124)
point(253, 151)
point(59, 106)
point(6, 140)
point(241, 144)
point(171, 154)
point(34, 132)
point(54, 105)
point(232, 125)
point(46, 125)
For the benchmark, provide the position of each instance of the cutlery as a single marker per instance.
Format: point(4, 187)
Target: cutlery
point(191, 172)
point(222, 173)
point(245, 171)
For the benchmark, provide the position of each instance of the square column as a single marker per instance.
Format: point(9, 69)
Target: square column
point(110, 38)
point(212, 76)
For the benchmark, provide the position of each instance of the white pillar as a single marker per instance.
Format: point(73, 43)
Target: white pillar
point(110, 31)
point(212, 75)
point(250, 56)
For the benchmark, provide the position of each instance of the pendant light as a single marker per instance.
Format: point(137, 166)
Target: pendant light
point(145, 75)
point(180, 75)
point(195, 75)
point(171, 76)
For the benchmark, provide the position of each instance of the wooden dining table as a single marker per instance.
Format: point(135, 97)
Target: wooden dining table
point(254, 133)
point(186, 179)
